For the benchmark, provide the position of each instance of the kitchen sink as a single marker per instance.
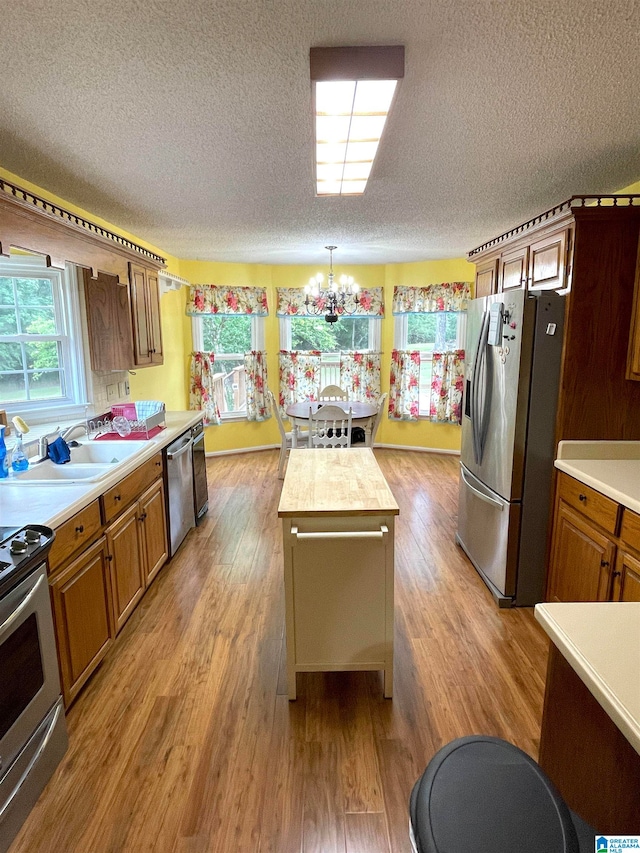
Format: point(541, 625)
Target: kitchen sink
point(45, 473)
point(105, 451)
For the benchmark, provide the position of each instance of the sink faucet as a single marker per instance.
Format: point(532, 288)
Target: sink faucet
point(71, 429)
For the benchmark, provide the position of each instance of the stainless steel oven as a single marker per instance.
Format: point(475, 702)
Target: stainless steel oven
point(33, 734)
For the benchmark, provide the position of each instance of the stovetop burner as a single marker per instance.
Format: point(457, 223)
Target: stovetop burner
point(22, 549)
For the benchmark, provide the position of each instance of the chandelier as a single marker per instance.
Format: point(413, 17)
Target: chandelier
point(332, 298)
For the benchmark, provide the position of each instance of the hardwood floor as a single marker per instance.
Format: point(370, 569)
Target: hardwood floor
point(184, 740)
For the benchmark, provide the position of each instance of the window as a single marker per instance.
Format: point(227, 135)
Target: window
point(229, 337)
point(40, 364)
point(349, 333)
point(440, 331)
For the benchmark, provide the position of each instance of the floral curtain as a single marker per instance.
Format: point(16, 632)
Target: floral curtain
point(299, 377)
point(214, 299)
point(360, 375)
point(404, 390)
point(255, 368)
point(291, 302)
point(448, 296)
point(202, 393)
point(447, 381)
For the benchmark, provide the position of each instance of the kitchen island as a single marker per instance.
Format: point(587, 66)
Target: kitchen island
point(338, 516)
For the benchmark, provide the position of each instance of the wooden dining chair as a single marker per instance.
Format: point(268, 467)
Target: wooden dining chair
point(332, 392)
point(286, 438)
point(330, 427)
point(379, 415)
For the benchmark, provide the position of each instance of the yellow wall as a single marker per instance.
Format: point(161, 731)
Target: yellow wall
point(244, 434)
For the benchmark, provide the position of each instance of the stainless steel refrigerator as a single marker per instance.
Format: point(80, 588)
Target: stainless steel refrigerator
point(513, 351)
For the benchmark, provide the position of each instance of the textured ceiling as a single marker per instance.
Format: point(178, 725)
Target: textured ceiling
point(189, 123)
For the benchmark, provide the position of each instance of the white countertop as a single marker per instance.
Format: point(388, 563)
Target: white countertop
point(27, 503)
point(610, 467)
point(601, 642)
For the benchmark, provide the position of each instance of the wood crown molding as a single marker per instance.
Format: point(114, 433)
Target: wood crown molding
point(33, 224)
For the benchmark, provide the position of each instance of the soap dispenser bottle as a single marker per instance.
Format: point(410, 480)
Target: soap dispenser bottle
point(19, 461)
point(4, 465)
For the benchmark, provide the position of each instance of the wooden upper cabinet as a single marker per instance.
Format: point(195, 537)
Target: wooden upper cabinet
point(633, 357)
point(548, 261)
point(513, 269)
point(145, 306)
point(486, 278)
point(109, 322)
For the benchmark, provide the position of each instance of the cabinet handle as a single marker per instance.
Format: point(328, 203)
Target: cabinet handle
point(158, 464)
point(582, 498)
point(117, 497)
point(604, 564)
point(616, 574)
point(80, 528)
point(109, 557)
point(142, 516)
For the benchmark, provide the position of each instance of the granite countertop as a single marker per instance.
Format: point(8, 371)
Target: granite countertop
point(609, 467)
point(51, 504)
point(601, 642)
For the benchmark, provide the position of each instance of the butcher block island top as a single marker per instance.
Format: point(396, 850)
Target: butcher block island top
point(335, 482)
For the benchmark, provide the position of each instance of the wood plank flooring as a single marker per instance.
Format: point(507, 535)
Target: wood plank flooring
point(184, 740)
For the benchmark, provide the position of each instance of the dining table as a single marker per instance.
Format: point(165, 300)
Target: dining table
point(363, 415)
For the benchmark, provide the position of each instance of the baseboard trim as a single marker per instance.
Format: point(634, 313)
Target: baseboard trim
point(242, 450)
point(382, 446)
point(441, 450)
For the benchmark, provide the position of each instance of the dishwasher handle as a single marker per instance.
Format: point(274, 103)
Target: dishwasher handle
point(181, 451)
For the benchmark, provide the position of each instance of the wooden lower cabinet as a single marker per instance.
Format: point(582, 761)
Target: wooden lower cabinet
point(95, 594)
point(137, 545)
point(595, 546)
point(126, 570)
point(626, 582)
point(82, 607)
point(154, 531)
point(581, 559)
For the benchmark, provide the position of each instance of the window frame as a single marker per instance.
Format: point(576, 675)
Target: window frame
point(74, 402)
point(257, 344)
point(375, 333)
point(401, 334)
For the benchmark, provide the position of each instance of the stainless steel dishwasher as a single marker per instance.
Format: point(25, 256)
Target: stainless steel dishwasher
point(179, 468)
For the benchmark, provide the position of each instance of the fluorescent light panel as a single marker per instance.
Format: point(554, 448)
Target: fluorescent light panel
point(350, 118)
point(353, 89)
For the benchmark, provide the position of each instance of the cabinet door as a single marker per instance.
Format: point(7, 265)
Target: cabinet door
point(154, 530)
point(633, 356)
point(626, 581)
point(486, 278)
point(81, 597)
point(548, 262)
point(141, 331)
point(513, 269)
point(126, 558)
point(109, 322)
point(581, 559)
point(153, 314)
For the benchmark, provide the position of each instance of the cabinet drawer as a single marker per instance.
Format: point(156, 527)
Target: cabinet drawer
point(589, 502)
point(128, 489)
point(76, 533)
point(630, 529)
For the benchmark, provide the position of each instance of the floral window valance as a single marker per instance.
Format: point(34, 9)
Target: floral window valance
point(291, 302)
point(448, 296)
point(216, 299)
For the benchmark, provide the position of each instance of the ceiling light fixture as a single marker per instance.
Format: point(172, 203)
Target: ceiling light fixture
point(353, 88)
point(332, 298)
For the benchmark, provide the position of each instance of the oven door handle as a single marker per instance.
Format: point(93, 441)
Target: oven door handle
point(23, 604)
point(32, 763)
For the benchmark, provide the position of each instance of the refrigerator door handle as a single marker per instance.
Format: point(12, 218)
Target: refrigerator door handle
point(476, 415)
point(480, 494)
